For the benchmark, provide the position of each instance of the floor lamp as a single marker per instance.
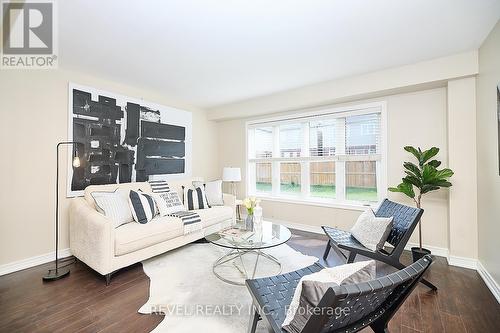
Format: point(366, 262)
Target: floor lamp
point(60, 272)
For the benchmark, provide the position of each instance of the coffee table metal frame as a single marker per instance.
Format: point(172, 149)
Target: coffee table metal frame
point(236, 253)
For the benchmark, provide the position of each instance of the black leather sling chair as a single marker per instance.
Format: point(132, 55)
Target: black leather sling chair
point(371, 303)
point(405, 219)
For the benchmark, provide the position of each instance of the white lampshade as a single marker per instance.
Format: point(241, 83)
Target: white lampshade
point(231, 174)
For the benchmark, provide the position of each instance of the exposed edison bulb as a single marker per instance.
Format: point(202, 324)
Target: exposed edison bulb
point(76, 162)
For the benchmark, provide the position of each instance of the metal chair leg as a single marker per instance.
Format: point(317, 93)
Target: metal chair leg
point(352, 256)
point(327, 250)
point(379, 327)
point(429, 284)
point(254, 319)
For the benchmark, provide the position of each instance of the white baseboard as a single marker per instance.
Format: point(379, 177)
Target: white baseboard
point(32, 262)
point(462, 262)
point(489, 281)
point(297, 226)
point(437, 251)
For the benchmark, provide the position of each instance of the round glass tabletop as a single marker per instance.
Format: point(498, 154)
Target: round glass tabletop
point(265, 235)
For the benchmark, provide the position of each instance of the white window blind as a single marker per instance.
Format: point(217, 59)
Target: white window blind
point(290, 140)
point(323, 157)
point(362, 135)
point(322, 138)
point(263, 142)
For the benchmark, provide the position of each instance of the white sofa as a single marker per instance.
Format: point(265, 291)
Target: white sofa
point(95, 241)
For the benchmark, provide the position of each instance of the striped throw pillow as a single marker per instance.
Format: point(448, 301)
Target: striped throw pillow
point(195, 198)
point(114, 205)
point(159, 186)
point(142, 206)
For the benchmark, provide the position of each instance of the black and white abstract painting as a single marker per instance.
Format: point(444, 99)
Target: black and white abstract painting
point(123, 139)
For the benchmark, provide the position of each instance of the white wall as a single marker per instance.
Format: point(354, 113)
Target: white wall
point(34, 113)
point(416, 118)
point(422, 75)
point(461, 156)
point(487, 155)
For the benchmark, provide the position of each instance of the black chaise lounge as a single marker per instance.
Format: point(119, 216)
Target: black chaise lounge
point(405, 219)
point(371, 303)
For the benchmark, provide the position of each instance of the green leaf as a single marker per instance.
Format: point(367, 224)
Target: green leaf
point(414, 151)
point(443, 183)
point(435, 163)
point(445, 173)
point(428, 188)
point(413, 169)
point(405, 188)
point(428, 154)
point(428, 174)
point(413, 180)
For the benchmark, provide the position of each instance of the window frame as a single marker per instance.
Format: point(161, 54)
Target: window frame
point(306, 116)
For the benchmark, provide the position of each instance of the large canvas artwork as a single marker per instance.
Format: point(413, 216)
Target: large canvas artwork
point(122, 139)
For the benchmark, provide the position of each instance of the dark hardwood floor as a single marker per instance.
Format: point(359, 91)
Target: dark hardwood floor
point(83, 303)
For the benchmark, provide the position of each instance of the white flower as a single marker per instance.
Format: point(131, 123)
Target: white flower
point(247, 203)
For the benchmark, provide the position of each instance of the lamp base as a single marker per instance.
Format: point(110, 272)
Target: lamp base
point(56, 275)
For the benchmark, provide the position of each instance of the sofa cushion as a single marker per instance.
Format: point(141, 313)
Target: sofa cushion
point(211, 216)
point(134, 236)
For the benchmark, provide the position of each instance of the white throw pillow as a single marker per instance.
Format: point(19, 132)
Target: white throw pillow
point(372, 231)
point(213, 191)
point(114, 205)
point(168, 203)
point(312, 287)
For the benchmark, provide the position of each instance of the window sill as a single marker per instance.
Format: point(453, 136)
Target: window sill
point(353, 205)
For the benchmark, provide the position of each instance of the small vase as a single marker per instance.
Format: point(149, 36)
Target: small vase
point(249, 222)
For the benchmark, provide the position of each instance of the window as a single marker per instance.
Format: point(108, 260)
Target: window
point(322, 179)
point(331, 156)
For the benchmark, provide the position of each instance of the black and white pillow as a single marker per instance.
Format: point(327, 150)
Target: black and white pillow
point(168, 203)
point(142, 206)
point(159, 186)
point(195, 198)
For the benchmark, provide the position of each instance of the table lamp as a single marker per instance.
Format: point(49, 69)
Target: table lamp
point(231, 175)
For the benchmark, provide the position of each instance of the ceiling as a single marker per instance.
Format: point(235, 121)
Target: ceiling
point(213, 52)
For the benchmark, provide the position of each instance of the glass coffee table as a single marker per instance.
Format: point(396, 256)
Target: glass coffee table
point(242, 243)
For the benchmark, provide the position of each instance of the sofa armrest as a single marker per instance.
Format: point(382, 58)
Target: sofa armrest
point(91, 236)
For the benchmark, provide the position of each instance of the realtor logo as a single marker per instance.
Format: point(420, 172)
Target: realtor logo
point(28, 38)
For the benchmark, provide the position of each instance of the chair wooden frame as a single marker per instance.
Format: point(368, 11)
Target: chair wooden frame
point(371, 303)
point(405, 219)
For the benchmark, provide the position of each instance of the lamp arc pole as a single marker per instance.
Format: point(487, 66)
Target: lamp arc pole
point(60, 272)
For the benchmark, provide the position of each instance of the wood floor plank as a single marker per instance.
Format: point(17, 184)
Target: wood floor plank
point(452, 323)
point(83, 303)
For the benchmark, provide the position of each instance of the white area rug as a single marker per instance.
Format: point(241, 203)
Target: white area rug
point(184, 288)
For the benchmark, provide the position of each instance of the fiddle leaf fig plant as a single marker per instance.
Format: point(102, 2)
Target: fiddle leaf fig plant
point(422, 177)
